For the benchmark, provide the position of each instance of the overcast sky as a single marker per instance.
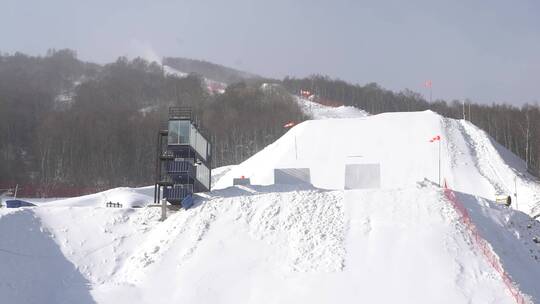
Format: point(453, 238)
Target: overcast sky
point(487, 51)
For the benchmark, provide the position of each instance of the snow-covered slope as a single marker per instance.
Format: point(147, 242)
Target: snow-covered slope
point(399, 142)
point(171, 71)
point(212, 85)
point(126, 197)
point(402, 243)
point(319, 111)
point(268, 245)
point(276, 245)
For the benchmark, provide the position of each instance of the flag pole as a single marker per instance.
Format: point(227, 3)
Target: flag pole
point(438, 138)
point(439, 163)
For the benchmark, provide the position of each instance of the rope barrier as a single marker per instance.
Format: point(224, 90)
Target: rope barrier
point(483, 245)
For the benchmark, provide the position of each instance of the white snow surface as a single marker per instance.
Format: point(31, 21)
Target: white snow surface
point(265, 243)
point(319, 111)
point(126, 197)
point(471, 161)
point(172, 71)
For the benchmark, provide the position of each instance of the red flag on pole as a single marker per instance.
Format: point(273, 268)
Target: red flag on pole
point(289, 124)
point(434, 139)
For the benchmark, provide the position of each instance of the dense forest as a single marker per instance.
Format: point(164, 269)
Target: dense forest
point(516, 128)
point(68, 127)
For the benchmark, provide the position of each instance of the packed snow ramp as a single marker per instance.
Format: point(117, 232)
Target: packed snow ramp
point(399, 144)
point(272, 245)
point(402, 239)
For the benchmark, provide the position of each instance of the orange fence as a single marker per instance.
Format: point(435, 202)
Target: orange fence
point(483, 246)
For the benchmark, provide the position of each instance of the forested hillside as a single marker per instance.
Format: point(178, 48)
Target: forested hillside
point(69, 127)
point(516, 128)
point(209, 70)
point(66, 124)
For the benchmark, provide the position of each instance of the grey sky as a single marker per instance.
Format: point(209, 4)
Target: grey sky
point(483, 50)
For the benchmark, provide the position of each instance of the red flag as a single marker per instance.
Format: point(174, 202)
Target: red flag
point(305, 93)
point(289, 124)
point(428, 83)
point(438, 137)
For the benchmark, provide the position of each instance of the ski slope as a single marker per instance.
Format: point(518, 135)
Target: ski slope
point(268, 244)
point(470, 161)
point(404, 242)
point(213, 86)
point(319, 111)
point(127, 197)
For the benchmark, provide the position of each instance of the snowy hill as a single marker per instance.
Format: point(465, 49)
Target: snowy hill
point(319, 111)
point(407, 241)
point(213, 86)
point(268, 245)
point(399, 142)
point(209, 70)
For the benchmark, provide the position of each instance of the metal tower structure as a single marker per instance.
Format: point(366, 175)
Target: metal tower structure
point(183, 159)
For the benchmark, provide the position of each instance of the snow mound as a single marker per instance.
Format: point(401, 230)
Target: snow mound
point(396, 141)
point(319, 111)
point(218, 173)
point(274, 244)
point(33, 267)
point(125, 197)
point(399, 144)
point(403, 242)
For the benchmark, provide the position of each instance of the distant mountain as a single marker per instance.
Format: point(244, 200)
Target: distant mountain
point(208, 70)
